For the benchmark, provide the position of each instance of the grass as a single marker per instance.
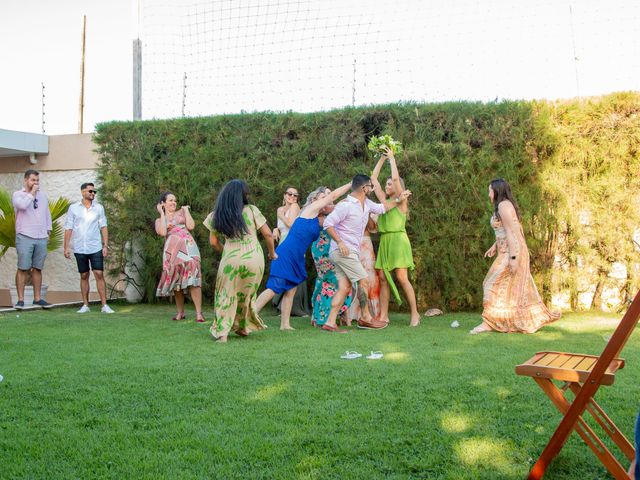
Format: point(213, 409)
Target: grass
point(134, 395)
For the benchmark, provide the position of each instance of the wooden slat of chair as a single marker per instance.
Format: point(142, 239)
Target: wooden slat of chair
point(584, 397)
point(566, 367)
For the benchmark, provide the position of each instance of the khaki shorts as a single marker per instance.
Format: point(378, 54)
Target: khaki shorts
point(348, 267)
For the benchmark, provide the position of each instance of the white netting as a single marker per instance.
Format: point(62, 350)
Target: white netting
point(306, 55)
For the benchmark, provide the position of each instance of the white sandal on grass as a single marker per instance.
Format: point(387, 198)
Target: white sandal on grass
point(375, 356)
point(350, 355)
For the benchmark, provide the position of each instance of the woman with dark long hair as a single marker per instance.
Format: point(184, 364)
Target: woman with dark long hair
point(511, 302)
point(242, 265)
point(181, 271)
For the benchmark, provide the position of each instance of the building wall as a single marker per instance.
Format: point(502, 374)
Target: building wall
point(71, 161)
point(66, 152)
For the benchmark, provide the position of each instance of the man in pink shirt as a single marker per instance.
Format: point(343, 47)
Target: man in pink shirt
point(345, 225)
point(33, 227)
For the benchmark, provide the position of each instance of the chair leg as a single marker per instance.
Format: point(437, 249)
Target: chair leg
point(607, 425)
point(585, 432)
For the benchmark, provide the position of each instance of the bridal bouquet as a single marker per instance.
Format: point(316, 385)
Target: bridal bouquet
point(377, 144)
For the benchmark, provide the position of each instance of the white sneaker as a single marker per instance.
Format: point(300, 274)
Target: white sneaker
point(107, 309)
point(84, 309)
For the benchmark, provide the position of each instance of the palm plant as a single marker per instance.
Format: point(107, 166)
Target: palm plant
point(8, 222)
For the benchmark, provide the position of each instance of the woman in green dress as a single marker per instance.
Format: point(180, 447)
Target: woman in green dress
point(242, 265)
point(394, 252)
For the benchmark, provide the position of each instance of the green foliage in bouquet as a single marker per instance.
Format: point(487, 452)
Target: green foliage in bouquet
point(378, 142)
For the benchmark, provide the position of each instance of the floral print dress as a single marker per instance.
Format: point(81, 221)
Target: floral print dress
point(238, 279)
point(326, 281)
point(180, 259)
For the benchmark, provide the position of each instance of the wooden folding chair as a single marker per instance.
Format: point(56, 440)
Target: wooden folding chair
point(583, 375)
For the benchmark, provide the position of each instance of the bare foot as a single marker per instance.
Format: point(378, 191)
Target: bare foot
point(415, 321)
point(384, 319)
point(287, 328)
point(482, 328)
point(367, 319)
point(222, 339)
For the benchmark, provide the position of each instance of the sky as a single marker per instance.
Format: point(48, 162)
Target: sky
point(204, 57)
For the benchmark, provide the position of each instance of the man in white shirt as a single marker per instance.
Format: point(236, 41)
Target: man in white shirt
point(345, 225)
point(86, 226)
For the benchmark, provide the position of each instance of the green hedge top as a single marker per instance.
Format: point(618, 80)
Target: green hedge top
point(573, 167)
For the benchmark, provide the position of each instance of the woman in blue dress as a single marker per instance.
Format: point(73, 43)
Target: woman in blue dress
point(289, 270)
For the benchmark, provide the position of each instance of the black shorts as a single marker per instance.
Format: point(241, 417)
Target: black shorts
point(84, 259)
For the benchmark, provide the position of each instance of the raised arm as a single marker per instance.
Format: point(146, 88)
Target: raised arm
point(395, 176)
point(295, 211)
point(381, 196)
point(161, 224)
point(186, 210)
point(22, 200)
point(378, 168)
point(314, 208)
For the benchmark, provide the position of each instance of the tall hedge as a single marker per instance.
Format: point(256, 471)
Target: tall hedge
point(573, 166)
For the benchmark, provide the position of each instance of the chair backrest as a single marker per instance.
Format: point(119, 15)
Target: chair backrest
point(618, 340)
point(590, 387)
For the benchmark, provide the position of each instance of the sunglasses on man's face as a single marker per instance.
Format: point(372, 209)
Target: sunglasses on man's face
point(93, 191)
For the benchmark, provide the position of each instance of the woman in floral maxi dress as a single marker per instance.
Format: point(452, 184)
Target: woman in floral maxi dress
point(326, 284)
point(242, 264)
point(181, 271)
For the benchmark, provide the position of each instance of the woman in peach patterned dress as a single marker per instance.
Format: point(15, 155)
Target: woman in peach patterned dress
point(511, 302)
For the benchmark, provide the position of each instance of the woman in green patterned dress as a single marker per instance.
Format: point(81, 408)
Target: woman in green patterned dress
point(242, 265)
point(394, 252)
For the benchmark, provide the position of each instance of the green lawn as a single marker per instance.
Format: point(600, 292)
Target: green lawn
point(135, 395)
